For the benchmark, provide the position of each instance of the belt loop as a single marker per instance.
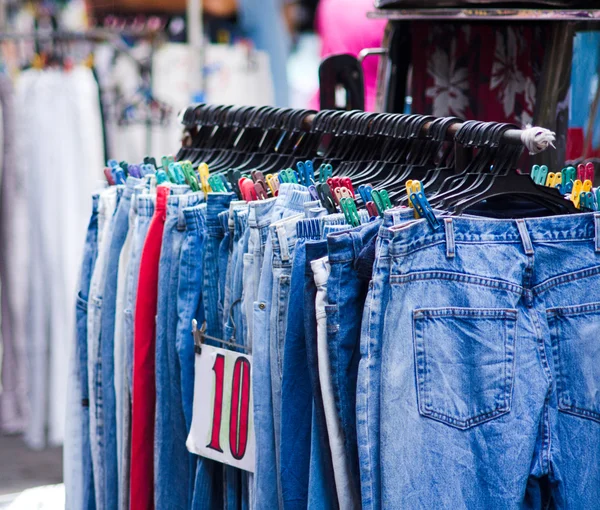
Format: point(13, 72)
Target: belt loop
point(180, 215)
point(527, 245)
point(283, 243)
point(597, 225)
point(450, 242)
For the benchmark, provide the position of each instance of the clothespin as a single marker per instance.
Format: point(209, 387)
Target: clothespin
point(381, 200)
point(301, 173)
point(364, 190)
point(120, 177)
point(247, 189)
point(109, 176)
point(585, 172)
point(348, 207)
point(190, 175)
point(346, 182)
point(569, 175)
point(326, 198)
point(204, 174)
point(216, 184)
point(273, 183)
point(372, 209)
point(325, 172)
point(586, 201)
point(161, 177)
point(176, 173)
point(309, 172)
point(135, 171)
point(313, 192)
point(112, 163)
point(539, 174)
point(423, 208)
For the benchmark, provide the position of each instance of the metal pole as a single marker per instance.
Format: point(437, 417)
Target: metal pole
point(195, 33)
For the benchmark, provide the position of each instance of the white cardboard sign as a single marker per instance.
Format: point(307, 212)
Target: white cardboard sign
point(222, 422)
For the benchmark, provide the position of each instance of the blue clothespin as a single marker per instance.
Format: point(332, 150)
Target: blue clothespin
point(112, 163)
point(313, 192)
point(421, 205)
point(325, 172)
point(161, 176)
point(120, 177)
point(364, 190)
point(301, 173)
point(309, 172)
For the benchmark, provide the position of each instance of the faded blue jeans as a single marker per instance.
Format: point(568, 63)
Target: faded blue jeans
point(78, 471)
point(489, 368)
point(120, 227)
point(171, 457)
point(289, 202)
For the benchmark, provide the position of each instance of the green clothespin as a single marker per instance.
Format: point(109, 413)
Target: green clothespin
point(216, 183)
point(348, 207)
point(382, 201)
point(190, 176)
point(325, 172)
point(569, 174)
point(175, 173)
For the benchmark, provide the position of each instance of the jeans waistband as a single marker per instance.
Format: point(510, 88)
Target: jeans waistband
point(346, 246)
point(283, 236)
point(107, 200)
point(321, 270)
point(240, 223)
point(130, 185)
point(259, 212)
point(309, 228)
point(234, 206)
point(215, 204)
point(455, 230)
point(195, 217)
point(177, 203)
point(293, 196)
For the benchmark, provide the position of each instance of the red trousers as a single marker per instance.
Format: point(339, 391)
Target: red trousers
point(144, 357)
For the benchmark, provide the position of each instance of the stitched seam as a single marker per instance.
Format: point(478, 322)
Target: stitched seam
point(464, 278)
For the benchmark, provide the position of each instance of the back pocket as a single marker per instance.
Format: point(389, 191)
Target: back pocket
point(465, 363)
point(575, 332)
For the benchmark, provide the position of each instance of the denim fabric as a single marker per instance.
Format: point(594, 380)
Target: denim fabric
point(296, 391)
point(205, 483)
point(266, 491)
point(78, 471)
point(238, 214)
point(107, 204)
point(321, 478)
point(120, 354)
point(341, 468)
point(259, 219)
point(143, 210)
point(223, 262)
point(346, 294)
point(488, 367)
point(216, 203)
point(171, 458)
point(120, 226)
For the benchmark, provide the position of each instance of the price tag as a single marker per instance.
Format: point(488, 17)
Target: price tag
point(222, 422)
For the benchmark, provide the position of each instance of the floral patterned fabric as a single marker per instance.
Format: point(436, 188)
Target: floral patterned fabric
point(476, 71)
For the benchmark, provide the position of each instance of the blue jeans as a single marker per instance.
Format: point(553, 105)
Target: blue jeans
point(79, 476)
point(321, 477)
point(120, 226)
point(217, 203)
point(488, 367)
point(296, 390)
point(144, 208)
point(171, 458)
point(266, 491)
point(108, 203)
point(346, 294)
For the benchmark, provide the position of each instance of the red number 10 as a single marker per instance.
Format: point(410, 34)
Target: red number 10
point(240, 406)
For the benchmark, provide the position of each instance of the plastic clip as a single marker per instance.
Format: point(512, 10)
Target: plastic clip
point(424, 209)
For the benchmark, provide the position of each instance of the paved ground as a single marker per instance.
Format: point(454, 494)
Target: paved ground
point(22, 468)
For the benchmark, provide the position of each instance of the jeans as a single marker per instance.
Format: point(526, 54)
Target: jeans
point(488, 367)
point(217, 203)
point(142, 212)
point(296, 391)
point(205, 476)
point(120, 226)
point(106, 208)
point(341, 468)
point(78, 471)
point(369, 367)
point(289, 202)
point(346, 294)
point(321, 477)
point(171, 458)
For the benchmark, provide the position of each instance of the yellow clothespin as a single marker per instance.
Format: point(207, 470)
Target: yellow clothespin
point(587, 185)
point(273, 183)
point(413, 187)
point(204, 173)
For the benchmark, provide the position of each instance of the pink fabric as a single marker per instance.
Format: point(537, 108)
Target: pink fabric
point(344, 28)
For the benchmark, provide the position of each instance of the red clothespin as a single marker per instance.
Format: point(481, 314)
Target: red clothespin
point(109, 177)
point(372, 209)
point(347, 183)
point(247, 189)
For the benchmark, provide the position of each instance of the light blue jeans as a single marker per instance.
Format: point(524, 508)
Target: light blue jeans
point(171, 458)
point(109, 199)
point(488, 363)
point(78, 470)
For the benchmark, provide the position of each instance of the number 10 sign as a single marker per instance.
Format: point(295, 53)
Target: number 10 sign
point(222, 422)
